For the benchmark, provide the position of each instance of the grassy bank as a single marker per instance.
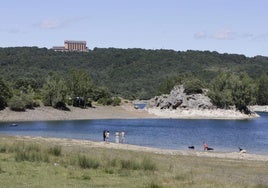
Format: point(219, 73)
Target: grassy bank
point(31, 163)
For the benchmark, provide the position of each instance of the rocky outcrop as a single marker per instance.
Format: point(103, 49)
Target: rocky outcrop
point(179, 99)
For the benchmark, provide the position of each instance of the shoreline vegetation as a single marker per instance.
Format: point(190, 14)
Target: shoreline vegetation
point(53, 162)
point(126, 110)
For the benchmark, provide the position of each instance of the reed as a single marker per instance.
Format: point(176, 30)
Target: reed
point(37, 164)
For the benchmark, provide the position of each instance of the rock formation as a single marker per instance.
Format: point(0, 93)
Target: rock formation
point(179, 99)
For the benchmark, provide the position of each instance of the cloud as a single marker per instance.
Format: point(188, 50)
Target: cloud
point(49, 24)
point(55, 24)
point(224, 35)
point(230, 35)
point(200, 35)
point(260, 36)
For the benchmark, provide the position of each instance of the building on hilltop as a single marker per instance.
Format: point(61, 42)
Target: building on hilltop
point(72, 45)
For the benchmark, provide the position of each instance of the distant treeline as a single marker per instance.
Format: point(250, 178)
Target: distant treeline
point(135, 73)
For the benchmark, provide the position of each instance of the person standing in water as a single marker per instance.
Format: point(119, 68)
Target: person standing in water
point(116, 137)
point(107, 135)
point(122, 137)
point(104, 135)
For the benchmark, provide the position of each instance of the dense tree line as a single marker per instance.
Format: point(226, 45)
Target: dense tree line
point(75, 89)
point(129, 73)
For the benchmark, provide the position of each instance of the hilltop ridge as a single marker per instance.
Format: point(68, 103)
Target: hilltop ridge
point(130, 73)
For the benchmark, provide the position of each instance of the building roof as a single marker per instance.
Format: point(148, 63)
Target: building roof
point(75, 41)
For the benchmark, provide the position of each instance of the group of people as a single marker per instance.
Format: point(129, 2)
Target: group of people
point(119, 137)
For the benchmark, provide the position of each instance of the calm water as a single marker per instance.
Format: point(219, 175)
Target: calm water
point(222, 135)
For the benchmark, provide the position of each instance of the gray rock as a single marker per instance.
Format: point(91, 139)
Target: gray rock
point(178, 99)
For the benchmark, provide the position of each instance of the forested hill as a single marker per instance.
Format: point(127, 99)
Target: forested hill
point(131, 73)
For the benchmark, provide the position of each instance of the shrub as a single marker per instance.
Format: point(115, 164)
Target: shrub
point(32, 153)
point(3, 148)
point(17, 104)
point(56, 150)
point(105, 101)
point(86, 162)
point(129, 165)
point(37, 103)
point(154, 185)
point(193, 86)
point(116, 101)
point(148, 164)
point(61, 106)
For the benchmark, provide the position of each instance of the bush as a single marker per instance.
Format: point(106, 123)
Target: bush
point(116, 101)
point(37, 103)
point(129, 165)
point(61, 106)
point(147, 164)
point(17, 104)
point(86, 162)
point(193, 86)
point(105, 101)
point(56, 150)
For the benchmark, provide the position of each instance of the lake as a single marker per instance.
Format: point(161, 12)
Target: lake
point(222, 135)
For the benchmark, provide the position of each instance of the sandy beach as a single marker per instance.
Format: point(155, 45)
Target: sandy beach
point(44, 113)
point(125, 111)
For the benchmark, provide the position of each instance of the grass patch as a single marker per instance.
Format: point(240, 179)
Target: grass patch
point(88, 162)
point(154, 185)
point(83, 166)
point(30, 152)
point(56, 150)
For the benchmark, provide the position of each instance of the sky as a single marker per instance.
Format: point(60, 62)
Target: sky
point(225, 26)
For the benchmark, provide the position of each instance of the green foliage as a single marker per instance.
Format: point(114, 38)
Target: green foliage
point(193, 86)
point(54, 90)
point(262, 97)
point(167, 86)
point(55, 150)
point(220, 91)
point(87, 162)
point(243, 92)
point(32, 153)
point(230, 89)
point(100, 93)
point(16, 103)
point(5, 94)
point(145, 164)
point(128, 73)
point(79, 84)
point(23, 99)
point(116, 101)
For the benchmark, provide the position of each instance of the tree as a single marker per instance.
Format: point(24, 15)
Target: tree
point(262, 97)
point(231, 89)
point(220, 91)
point(54, 90)
point(243, 91)
point(79, 84)
point(5, 94)
point(193, 86)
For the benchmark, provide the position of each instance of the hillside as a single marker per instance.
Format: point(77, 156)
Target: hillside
point(131, 73)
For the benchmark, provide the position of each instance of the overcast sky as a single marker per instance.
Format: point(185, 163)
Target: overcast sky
point(225, 26)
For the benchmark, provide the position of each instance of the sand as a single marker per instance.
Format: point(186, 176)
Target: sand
point(125, 111)
point(44, 113)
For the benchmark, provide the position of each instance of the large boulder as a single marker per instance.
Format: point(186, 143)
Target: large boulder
point(179, 99)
